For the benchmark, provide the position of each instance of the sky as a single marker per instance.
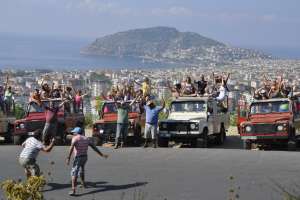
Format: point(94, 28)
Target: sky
point(234, 22)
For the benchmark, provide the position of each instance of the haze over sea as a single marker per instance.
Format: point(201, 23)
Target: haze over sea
point(44, 52)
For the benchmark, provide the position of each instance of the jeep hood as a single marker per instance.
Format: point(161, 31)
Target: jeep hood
point(187, 116)
point(270, 117)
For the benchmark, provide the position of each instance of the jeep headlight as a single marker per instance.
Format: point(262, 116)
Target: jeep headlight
point(248, 128)
point(194, 126)
point(280, 128)
point(22, 126)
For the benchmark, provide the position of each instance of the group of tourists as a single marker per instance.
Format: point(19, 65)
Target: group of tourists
point(55, 91)
point(142, 94)
point(276, 88)
point(200, 87)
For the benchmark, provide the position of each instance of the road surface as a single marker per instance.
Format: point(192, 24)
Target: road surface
point(168, 173)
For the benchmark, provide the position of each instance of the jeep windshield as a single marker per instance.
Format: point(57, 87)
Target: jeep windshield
point(188, 106)
point(111, 108)
point(269, 107)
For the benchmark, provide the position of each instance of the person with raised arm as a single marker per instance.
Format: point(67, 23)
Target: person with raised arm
point(79, 149)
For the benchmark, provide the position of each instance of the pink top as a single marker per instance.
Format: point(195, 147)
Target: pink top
point(78, 99)
point(81, 144)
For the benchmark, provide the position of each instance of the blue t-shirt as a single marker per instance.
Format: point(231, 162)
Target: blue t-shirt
point(152, 114)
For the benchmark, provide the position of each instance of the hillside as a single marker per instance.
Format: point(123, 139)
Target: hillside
point(167, 44)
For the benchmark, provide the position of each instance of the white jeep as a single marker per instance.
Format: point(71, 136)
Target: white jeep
point(195, 120)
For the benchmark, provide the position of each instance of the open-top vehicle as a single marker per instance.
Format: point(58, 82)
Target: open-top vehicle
point(194, 120)
point(104, 129)
point(272, 121)
point(35, 118)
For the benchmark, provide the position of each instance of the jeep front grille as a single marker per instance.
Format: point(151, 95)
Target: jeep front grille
point(264, 128)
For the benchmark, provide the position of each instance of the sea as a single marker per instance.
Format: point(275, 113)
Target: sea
point(60, 53)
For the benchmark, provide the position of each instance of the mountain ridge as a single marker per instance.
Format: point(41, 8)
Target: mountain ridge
point(167, 44)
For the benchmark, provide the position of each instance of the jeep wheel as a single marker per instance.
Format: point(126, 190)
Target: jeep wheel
point(247, 144)
point(203, 141)
point(163, 142)
point(96, 141)
point(221, 136)
point(7, 137)
point(17, 139)
point(291, 145)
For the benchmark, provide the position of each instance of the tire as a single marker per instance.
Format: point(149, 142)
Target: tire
point(163, 142)
point(292, 145)
point(203, 141)
point(137, 138)
point(96, 141)
point(247, 144)
point(17, 139)
point(221, 136)
point(7, 138)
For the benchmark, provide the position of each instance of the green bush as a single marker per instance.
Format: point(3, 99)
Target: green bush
point(88, 121)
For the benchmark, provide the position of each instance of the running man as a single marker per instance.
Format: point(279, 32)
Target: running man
point(80, 146)
point(32, 146)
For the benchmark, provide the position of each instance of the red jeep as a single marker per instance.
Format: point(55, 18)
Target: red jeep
point(35, 118)
point(271, 121)
point(104, 129)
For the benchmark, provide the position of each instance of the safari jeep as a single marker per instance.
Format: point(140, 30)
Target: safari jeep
point(6, 126)
point(35, 118)
point(104, 129)
point(194, 120)
point(271, 121)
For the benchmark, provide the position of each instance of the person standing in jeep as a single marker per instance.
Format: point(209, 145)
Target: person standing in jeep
point(50, 127)
point(152, 114)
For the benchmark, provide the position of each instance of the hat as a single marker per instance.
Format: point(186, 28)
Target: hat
point(76, 130)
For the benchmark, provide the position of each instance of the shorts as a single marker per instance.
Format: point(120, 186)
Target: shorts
point(30, 165)
point(78, 165)
point(150, 131)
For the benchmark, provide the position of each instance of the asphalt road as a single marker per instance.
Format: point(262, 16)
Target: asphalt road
point(168, 173)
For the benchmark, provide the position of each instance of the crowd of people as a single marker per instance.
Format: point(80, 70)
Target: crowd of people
point(45, 92)
point(277, 88)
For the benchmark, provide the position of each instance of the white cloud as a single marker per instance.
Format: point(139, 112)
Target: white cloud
point(172, 11)
point(98, 6)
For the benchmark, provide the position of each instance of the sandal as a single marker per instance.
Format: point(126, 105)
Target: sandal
point(72, 193)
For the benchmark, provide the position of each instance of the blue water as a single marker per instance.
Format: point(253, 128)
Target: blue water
point(29, 52)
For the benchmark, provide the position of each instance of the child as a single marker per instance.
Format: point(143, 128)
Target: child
point(32, 146)
point(80, 146)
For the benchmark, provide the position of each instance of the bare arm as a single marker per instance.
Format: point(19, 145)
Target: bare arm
point(70, 153)
point(134, 100)
point(62, 103)
point(50, 147)
point(98, 151)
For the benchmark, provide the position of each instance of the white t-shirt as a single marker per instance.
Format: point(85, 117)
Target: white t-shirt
point(222, 94)
point(32, 148)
